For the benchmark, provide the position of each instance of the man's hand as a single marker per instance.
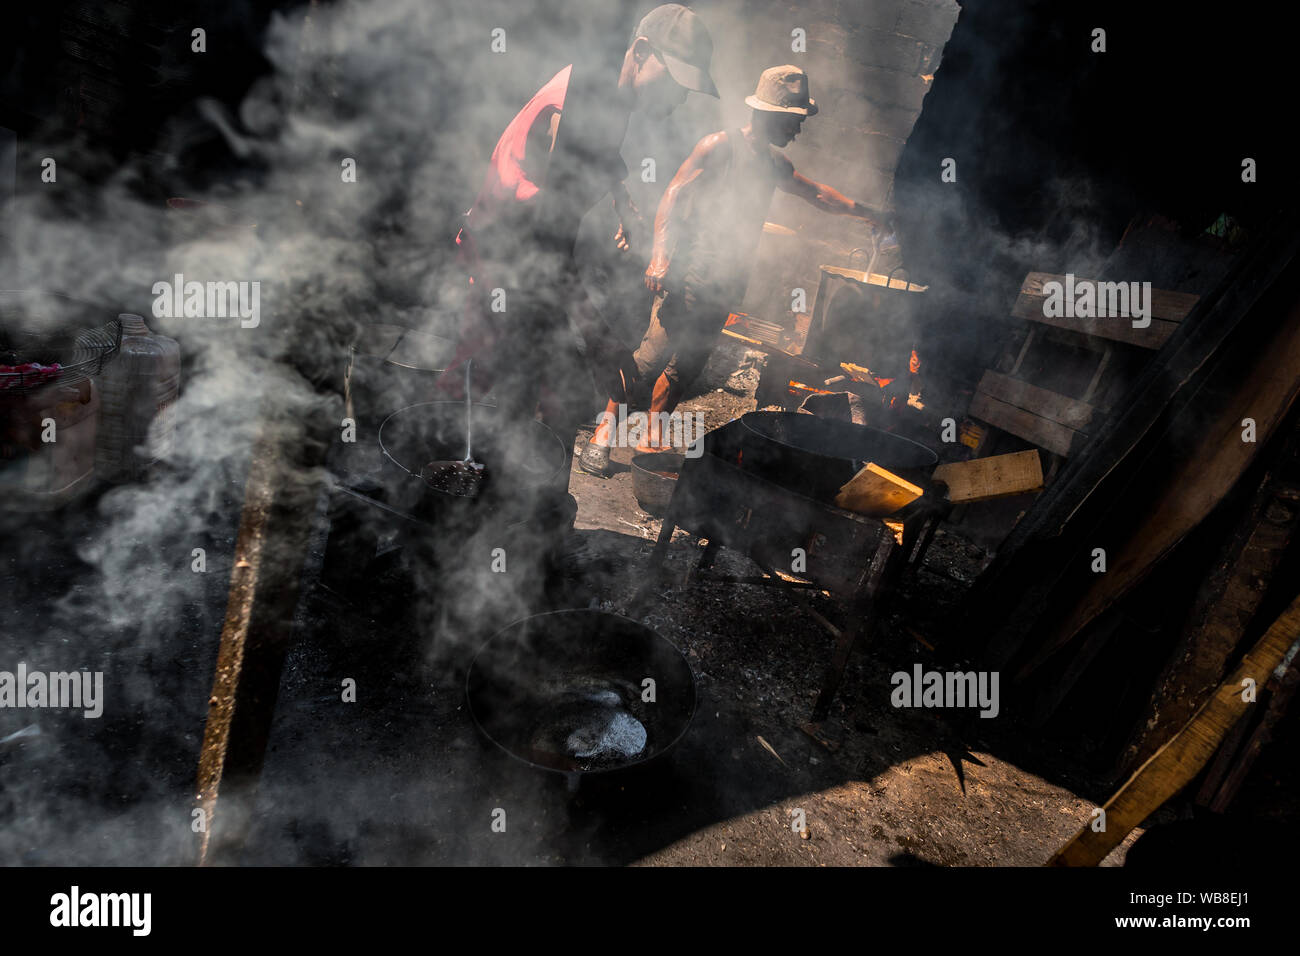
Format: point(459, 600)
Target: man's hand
point(881, 220)
point(656, 273)
point(627, 213)
point(614, 368)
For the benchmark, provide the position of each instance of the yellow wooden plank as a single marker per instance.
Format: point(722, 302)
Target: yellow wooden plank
point(983, 479)
point(875, 492)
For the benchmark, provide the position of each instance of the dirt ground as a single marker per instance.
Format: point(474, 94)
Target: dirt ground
point(911, 789)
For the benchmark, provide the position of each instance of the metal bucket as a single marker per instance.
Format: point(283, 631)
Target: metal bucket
point(654, 476)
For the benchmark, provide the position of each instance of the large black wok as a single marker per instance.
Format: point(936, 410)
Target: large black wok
point(565, 691)
point(814, 456)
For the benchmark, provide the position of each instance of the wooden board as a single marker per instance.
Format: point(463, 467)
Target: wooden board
point(1030, 308)
point(1179, 761)
point(1166, 305)
point(1043, 432)
point(1167, 310)
point(875, 278)
point(1070, 412)
point(984, 479)
point(875, 492)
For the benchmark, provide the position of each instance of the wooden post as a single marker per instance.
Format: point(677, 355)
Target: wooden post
point(270, 549)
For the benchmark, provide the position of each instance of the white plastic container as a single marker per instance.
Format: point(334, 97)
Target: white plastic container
point(139, 386)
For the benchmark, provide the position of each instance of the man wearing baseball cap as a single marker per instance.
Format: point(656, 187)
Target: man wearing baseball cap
point(548, 169)
point(705, 235)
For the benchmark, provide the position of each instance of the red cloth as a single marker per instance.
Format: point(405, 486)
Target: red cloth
point(506, 182)
point(507, 194)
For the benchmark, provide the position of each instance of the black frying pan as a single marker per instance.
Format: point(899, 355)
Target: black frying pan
point(565, 691)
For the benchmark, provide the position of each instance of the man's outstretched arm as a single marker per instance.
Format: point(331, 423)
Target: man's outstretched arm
point(828, 199)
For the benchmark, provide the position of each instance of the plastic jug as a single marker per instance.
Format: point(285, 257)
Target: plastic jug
point(139, 389)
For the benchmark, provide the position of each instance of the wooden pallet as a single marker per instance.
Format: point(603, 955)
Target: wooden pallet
point(1007, 397)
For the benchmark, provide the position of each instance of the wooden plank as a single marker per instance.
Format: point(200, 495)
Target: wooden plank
point(875, 491)
point(983, 479)
point(1175, 764)
point(1117, 329)
point(875, 278)
point(1042, 432)
point(1166, 305)
point(1070, 412)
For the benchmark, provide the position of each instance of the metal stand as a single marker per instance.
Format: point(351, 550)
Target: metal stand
point(885, 557)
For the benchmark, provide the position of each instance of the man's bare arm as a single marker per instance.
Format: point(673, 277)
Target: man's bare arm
point(828, 199)
point(695, 174)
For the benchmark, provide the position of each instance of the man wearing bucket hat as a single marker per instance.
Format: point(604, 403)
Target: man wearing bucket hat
point(706, 233)
point(520, 235)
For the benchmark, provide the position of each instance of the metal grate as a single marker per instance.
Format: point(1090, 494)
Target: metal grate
point(32, 358)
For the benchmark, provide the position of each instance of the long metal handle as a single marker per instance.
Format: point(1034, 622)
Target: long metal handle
point(469, 413)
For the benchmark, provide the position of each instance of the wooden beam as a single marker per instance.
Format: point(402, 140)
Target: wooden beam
point(1175, 764)
point(270, 549)
point(984, 479)
point(1040, 431)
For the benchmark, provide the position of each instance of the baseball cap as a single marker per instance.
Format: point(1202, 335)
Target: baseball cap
point(683, 40)
point(783, 89)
